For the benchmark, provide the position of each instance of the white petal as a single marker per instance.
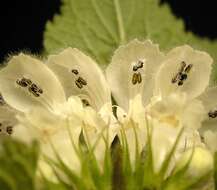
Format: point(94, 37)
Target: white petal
point(210, 139)
point(47, 129)
point(96, 131)
point(209, 127)
point(63, 146)
point(7, 120)
point(21, 98)
point(134, 135)
point(96, 91)
point(41, 123)
point(122, 116)
point(120, 71)
point(176, 110)
point(193, 114)
point(208, 99)
point(163, 139)
point(136, 112)
point(208, 132)
point(197, 78)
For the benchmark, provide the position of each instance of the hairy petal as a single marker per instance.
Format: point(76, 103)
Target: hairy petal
point(136, 59)
point(184, 70)
point(24, 96)
point(71, 66)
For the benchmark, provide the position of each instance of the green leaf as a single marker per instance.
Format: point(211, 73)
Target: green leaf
point(18, 165)
point(98, 27)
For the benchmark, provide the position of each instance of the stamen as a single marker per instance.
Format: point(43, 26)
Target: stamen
point(135, 68)
point(175, 79)
point(75, 71)
point(137, 78)
point(212, 114)
point(180, 83)
point(182, 74)
point(182, 67)
point(202, 139)
point(183, 77)
point(9, 130)
point(85, 102)
point(82, 81)
point(188, 68)
point(78, 84)
point(138, 65)
point(24, 82)
point(134, 78)
point(35, 90)
point(32, 87)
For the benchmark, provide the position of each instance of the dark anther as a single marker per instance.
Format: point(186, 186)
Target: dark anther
point(35, 90)
point(135, 68)
point(85, 102)
point(78, 84)
point(24, 82)
point(134, 79)
point(188, 68)
point(182, 67)
point(176, 77)
point(139, 78)
point(183, 77)
point(40, 91)
point(82, 81)
point(9, 130)
point(212, 114)
point(75, 71)
point(139, 65)
point(180, 83)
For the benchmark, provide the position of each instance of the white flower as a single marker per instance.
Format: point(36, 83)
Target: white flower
point(69, 94)
point(162, 89)
point(44, 94)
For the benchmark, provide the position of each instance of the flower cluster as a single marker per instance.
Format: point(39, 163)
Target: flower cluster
point(58, 100)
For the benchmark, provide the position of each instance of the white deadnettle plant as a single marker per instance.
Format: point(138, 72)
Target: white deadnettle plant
point(165, 93)
point(56, 101)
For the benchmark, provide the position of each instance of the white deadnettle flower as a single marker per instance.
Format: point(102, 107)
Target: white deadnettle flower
point(49, 113)
point(160, 91)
